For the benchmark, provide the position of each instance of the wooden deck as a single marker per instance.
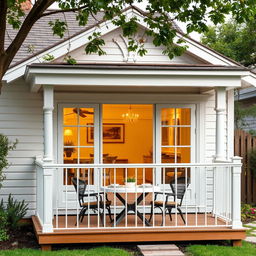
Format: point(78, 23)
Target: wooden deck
point(92, 221)
point(72, 235)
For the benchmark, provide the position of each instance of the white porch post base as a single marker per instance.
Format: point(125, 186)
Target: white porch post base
point(236, 194)
point(48, 200)
point(47, 228)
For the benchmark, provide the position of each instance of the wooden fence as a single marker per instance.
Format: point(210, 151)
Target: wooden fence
point(244, 143)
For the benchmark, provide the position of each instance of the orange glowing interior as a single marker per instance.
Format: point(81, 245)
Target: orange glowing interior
point(126, 137)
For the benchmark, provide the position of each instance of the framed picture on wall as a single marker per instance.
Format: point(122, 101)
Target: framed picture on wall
point(112, 133)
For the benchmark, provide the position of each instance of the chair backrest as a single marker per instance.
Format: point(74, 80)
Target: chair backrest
point(181, 187)
point(81, 187)
point(109, 159)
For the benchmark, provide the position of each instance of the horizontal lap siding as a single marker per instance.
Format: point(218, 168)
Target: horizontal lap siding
point(21, 117)
point(210, 129)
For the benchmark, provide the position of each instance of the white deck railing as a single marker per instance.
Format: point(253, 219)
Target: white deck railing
point(210, 198)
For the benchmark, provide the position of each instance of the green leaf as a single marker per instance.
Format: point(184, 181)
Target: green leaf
point(59, 27)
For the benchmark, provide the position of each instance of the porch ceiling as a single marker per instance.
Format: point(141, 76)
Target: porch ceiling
point(134, 76)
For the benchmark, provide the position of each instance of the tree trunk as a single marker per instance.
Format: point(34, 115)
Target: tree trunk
point(3, 69)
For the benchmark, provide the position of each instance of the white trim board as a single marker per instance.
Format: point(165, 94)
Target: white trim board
point(37, 77)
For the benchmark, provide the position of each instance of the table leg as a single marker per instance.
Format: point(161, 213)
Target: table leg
point(140, 215)
point(131, 207)
point(121, 199)
point(119, 217)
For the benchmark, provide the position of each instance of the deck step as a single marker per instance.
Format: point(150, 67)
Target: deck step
point(160, 250)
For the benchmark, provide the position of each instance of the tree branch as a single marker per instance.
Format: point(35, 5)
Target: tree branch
point(39, 7)
point(62, 11)
point(3, 14)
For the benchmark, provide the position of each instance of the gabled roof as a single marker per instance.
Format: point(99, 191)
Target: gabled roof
point(43, 42)
point(41, 37)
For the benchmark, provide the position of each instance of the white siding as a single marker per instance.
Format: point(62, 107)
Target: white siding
point(21, 117)
point(210, 129)
point(115, 55)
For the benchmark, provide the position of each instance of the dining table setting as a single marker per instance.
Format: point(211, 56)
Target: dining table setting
point(141, 192)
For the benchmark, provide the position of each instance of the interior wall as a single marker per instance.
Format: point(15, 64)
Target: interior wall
point(138, 136)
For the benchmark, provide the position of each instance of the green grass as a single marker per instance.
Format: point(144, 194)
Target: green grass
point(214, 250)
point(99, 251)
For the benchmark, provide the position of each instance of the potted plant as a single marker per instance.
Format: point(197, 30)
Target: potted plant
point(68, 151)
point(130, 182)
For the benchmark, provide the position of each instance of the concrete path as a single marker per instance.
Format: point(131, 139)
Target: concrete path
point(160, 250)
point(251, 238)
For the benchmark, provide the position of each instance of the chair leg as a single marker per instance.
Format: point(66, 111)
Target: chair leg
point(151, 213)
point(102, 217)
point(109, 214)
point(181, 214)
point(162, 223)
point(82, 217)
point(170, 213)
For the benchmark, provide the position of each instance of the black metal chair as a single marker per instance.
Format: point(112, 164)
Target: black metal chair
point(96, 204)
point(166, 206)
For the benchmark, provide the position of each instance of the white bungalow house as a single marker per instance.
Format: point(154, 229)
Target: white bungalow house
point(152, 134)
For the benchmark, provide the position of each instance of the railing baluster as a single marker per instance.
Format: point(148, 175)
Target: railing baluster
point(176, 193)
point(164, 197)
point(196, 199)
point(77, 198)
point(88, 199)
point(226, 194)
point(214, 198)
point(126, 199)
point(98, 192)
point(186, 203)
point(143, 181)
point(115, 198)
point(136, 196)
point(104, 200)
point(153, 195)
point(205, 212)
point(66, 197)
point(57, 198)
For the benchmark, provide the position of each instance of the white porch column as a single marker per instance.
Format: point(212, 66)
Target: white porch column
point(48, 123)
point(48, 158)
point(236, 193)
point(220, 108)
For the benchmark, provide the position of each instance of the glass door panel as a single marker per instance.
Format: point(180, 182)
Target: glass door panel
point(174, 140)
point(127, 137)
point(78, 129)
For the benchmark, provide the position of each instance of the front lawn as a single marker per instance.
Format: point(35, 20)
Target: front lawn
point(214, 250)
point(99, 251)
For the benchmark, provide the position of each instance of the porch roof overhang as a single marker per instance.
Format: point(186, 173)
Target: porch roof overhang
point(134, 75)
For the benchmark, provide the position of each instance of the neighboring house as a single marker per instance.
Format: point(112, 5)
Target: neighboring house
point(247, 98)
point(116, 117)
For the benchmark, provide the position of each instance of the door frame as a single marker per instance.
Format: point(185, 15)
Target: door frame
point(59, 176)
point(158, 133)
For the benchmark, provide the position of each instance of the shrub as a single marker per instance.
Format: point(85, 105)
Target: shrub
point(3, 226)
point(248, 213)
point(14, 210)
point(5, 147)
